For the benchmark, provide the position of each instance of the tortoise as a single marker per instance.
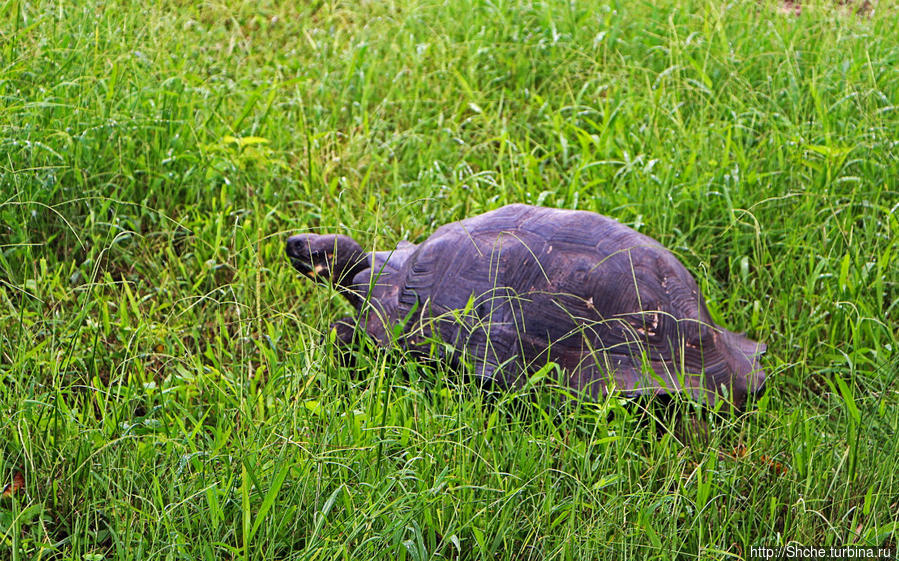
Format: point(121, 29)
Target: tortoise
point(516, 288)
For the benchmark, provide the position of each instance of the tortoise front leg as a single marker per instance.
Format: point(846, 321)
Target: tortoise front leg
point(345, 338)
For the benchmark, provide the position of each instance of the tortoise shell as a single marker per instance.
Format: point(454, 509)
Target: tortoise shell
point(517, 287)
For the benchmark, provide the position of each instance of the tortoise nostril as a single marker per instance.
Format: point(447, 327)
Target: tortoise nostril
point(297, 246)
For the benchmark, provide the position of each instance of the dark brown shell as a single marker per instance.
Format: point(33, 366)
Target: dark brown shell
point(523, 285)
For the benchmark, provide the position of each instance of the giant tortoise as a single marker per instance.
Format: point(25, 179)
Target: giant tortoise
point(510, 290)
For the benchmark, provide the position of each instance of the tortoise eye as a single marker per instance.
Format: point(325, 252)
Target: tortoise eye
point(317, 256)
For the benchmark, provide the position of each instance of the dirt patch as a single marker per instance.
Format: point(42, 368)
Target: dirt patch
point(859, 7)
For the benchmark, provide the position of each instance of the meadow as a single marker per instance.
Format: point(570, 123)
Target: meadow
point(167, 386)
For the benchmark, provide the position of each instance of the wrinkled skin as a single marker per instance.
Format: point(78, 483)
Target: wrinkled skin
point(512, 289)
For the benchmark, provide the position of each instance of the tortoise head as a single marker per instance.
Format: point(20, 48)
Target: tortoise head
point(327, 258)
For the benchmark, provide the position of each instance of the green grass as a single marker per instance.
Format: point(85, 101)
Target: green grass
point(163, 385)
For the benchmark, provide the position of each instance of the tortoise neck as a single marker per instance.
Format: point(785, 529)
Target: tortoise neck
point(344, 282)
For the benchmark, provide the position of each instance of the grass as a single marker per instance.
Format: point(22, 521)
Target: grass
point(164, 387)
